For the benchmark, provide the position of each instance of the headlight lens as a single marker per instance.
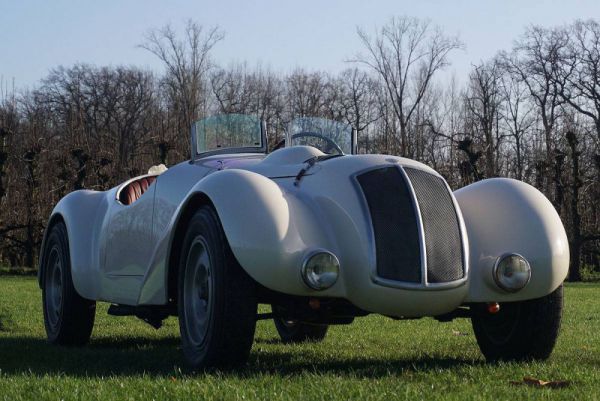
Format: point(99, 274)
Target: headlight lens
point(320, 270)
point(512, 272)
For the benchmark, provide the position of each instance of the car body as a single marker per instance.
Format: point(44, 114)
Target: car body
point(405, 245)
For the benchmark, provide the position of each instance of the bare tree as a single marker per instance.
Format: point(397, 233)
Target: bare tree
point(110, 106)
point(446, 124)
point(306, 93)
point(535, 61)
point(579, 77)
point(518, 116)
point(359, 101)
point(406, 53)
point(187, 62)
point(231, 89)
point(576, 240)
point(483, 102)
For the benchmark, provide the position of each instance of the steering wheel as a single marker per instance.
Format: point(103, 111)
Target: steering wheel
point(330, 143)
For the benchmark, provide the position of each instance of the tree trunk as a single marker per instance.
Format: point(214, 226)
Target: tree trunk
point(403, 139)
point(29, 245)
point(559, 188)
point(519, 157)
point(576, 236)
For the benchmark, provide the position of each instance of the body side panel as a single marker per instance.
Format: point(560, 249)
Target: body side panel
point(130, 236)
point(129, 247)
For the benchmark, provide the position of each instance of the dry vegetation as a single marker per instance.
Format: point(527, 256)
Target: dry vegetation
point(532, 113)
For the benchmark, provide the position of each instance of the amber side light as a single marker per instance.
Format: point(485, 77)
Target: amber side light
point(493, 307)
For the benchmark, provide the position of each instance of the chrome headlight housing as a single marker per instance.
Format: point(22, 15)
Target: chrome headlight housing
point(320, 269)
point(512, 272)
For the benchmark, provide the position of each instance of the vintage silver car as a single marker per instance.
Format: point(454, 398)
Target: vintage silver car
point(320, 233)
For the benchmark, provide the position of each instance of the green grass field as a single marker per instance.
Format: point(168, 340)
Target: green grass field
point(373, 359)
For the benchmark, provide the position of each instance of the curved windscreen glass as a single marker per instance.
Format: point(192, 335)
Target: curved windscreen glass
point(228, 131)
point(329, 136)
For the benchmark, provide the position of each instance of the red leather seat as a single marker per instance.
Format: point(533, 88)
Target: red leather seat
point(135, 189)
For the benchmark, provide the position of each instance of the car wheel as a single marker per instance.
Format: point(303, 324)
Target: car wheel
point(519, 331)
point(68, 317)
point(216, 299)
point(293, 331)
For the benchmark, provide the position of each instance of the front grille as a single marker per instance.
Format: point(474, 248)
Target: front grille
point(396, 227)
point(397, 249)
point(440, 225)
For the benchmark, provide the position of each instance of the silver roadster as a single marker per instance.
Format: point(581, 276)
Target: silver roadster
point(318, 232)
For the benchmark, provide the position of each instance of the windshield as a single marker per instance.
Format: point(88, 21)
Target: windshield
point(331, 137)
point(228, 131)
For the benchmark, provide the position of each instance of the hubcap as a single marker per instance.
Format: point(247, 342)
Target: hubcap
point(54, 287)
point(197, 292)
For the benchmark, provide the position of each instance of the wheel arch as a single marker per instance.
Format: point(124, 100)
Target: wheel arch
point(196, 201)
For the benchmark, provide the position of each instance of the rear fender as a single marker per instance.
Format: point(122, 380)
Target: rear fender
point(83, 213)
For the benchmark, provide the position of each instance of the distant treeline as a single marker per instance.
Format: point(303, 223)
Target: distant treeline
point(531, 113)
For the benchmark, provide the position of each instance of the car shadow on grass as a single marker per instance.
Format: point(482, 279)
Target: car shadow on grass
point(135, 356)
point(358, 367)
point(127, 356)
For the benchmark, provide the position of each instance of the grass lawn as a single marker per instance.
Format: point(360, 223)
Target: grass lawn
point(373, 359)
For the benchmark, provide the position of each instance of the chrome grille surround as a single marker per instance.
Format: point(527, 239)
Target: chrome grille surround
point(424, 283)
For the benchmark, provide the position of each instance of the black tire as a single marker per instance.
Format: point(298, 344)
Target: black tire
point(217, 302)
point(291, 331)
point(520, 331)
point(68, 317)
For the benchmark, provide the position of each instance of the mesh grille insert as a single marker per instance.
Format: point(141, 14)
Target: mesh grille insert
point(440, 225)
point(394, 222)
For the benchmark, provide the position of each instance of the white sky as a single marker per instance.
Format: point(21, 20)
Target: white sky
point(37, 35)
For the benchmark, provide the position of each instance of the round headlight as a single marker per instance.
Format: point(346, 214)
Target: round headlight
point(512, 272)
point(320, 270)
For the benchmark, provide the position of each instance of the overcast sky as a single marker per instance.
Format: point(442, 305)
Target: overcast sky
point(36, 36)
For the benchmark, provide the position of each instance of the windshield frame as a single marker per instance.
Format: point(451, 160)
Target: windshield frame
point(289, 140)
point(233, 150)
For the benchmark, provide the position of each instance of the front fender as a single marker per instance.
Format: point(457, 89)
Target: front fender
point(273, 230)
point(504, 215)
point(269, 231)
